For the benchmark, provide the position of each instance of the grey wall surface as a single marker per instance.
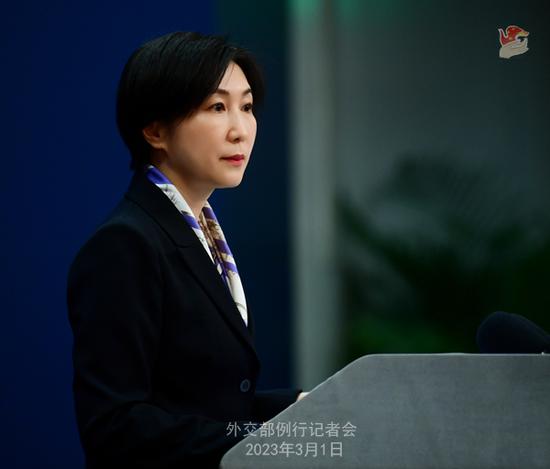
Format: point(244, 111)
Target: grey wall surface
point(425, 78)
point(436, 155)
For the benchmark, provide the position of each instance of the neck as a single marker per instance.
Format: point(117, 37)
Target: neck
point(193, 194)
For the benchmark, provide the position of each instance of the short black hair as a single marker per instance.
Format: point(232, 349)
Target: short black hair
point(169, 77)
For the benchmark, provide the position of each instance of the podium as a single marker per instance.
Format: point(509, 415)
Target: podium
point(415, 411)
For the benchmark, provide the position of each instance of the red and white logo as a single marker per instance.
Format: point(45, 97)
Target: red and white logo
point(512, 42)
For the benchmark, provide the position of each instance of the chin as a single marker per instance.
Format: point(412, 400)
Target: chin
point(235, 184)
point(230, 182)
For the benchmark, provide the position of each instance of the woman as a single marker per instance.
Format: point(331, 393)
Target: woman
point(165, 367)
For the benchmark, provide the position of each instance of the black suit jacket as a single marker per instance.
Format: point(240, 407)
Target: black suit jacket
point(163, 362)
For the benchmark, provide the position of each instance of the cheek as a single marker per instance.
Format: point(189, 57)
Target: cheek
point(196, 142)
point(253, 129)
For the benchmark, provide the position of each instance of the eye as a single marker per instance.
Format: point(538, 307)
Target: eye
point(248, 107)
point(218, 107)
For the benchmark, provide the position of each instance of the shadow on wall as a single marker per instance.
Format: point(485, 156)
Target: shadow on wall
point(438, 248)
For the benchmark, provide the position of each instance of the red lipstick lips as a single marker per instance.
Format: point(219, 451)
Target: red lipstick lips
point(234, 159)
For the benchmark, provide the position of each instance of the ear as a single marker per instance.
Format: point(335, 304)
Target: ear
point(156, 135)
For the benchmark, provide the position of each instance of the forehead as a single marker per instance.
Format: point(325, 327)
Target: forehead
point(234, 80)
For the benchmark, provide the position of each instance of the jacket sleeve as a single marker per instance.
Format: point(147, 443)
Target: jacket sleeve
point(267, 404)
point(114, 297)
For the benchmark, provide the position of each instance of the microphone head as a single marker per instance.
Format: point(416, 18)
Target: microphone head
point(511, 333)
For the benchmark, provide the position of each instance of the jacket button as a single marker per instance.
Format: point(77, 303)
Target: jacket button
point(245, 385)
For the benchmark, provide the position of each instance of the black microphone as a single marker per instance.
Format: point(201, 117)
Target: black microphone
point(511, 333)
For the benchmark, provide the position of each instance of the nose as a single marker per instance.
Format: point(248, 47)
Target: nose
point(238, 127)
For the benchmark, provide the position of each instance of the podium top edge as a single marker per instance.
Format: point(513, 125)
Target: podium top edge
point(450, 356)
point(455, 354)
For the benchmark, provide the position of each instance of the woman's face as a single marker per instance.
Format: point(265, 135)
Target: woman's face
point(224, 125)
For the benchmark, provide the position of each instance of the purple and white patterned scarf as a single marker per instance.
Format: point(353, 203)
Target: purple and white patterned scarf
point(210, 234)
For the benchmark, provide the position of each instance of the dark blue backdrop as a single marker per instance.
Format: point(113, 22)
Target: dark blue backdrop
point(65, 167)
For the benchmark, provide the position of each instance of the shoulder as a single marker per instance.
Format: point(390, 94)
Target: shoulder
point(127, 238)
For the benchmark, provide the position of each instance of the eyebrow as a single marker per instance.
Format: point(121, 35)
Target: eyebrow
point(225, 92)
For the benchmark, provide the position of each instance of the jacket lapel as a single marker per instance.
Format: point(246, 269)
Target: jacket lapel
point(151, 199)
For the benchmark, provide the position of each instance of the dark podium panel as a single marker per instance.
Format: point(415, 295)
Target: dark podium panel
point(413, 411)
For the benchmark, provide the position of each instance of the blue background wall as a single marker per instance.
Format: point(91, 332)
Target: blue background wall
point(65, 167)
